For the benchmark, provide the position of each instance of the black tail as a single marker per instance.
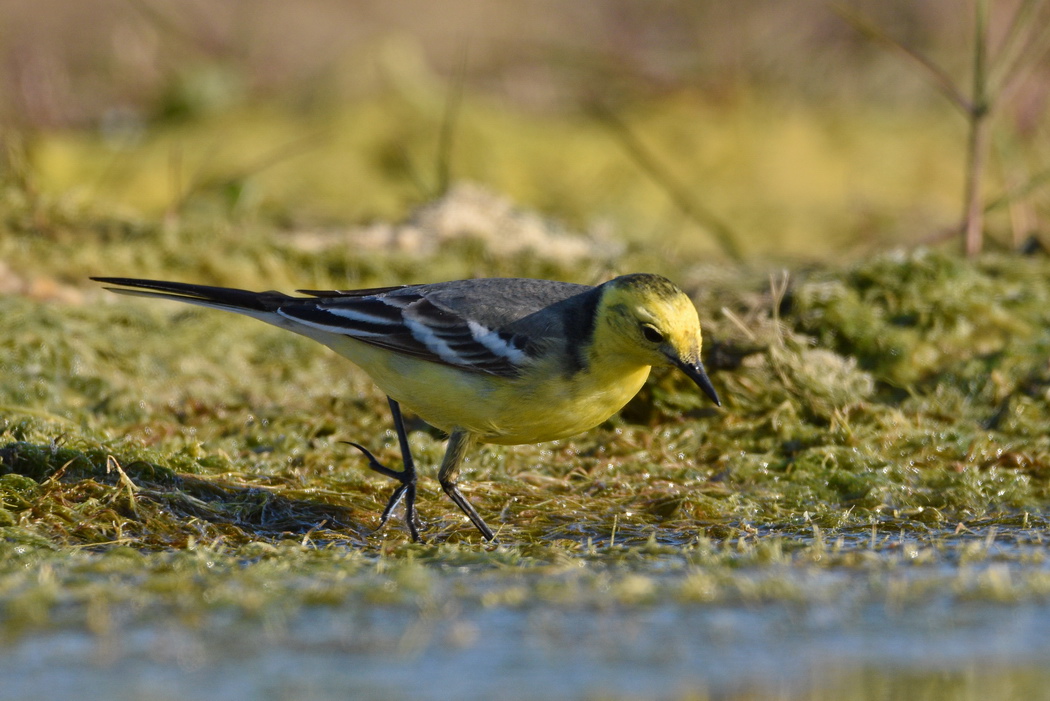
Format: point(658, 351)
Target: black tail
point(198, 294)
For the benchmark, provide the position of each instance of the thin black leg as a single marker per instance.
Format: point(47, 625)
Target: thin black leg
point(409, 470)
point(458, 445)
point(406, 476)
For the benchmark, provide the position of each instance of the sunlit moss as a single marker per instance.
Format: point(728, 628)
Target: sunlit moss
point(165, 460)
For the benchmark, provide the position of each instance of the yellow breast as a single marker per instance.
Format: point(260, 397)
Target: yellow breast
point(544, 405)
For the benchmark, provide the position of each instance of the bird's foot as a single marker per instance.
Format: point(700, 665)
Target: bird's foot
point(406, 492)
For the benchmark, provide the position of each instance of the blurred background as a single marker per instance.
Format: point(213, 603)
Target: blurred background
point(778, 125)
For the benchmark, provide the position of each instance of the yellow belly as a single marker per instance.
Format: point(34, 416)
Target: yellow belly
point(497, 409)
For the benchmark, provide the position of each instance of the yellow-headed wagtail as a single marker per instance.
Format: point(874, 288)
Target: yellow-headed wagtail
point(499, 360)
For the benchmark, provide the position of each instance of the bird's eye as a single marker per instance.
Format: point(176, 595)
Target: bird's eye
point(651, 334)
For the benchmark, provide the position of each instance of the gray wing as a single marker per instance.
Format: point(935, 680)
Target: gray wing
point(494, 325)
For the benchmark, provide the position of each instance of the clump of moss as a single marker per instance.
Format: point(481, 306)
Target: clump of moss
point(912, 317)
point(87, 496)
point(230, 491)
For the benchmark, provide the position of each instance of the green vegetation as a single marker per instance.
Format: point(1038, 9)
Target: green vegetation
point(891, 404)
point(883, 420)
point(883, 444)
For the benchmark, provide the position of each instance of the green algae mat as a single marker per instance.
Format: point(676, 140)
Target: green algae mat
point(865, 517)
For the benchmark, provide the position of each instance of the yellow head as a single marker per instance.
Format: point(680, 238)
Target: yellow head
point(648, 319)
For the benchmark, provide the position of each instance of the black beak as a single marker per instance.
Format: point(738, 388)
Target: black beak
point(696, 373)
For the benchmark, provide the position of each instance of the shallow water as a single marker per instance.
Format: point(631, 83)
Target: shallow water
point(848, 622)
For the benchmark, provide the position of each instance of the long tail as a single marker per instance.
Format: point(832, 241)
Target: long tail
point(257, 304)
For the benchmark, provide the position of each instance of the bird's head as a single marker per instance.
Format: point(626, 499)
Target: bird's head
point(651, 320)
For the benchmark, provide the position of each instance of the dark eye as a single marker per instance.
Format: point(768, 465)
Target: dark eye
point(651, 334)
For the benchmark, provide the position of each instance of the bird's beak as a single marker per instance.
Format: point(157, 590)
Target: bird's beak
point(695, 372)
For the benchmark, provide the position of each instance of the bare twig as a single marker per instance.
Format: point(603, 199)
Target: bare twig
point(937, 77)
point(275, 156)
point(1026, 44)
point(977, 108)
point(979, 136)
point(1013, 46)
point(449, 121)
point(679, 194)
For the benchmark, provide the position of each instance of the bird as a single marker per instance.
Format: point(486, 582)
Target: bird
point(487, 360)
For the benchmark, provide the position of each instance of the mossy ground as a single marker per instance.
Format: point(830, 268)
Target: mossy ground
point(883, 437)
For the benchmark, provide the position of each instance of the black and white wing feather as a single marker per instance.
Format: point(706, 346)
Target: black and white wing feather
point(487, 326)
point(408, 322)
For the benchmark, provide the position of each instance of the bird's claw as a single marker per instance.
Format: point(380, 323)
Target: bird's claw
point(405, 491)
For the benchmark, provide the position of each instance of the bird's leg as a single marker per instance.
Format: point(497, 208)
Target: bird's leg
point(406, 476)
point(458, 445)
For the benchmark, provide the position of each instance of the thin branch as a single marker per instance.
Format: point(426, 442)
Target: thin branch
point(979, 137)
point(274, 157)
point(1031, 185)
point(1022, 61)
point(1014, 43)
point(679, 193)
point(449, 121)
point(940, 80)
